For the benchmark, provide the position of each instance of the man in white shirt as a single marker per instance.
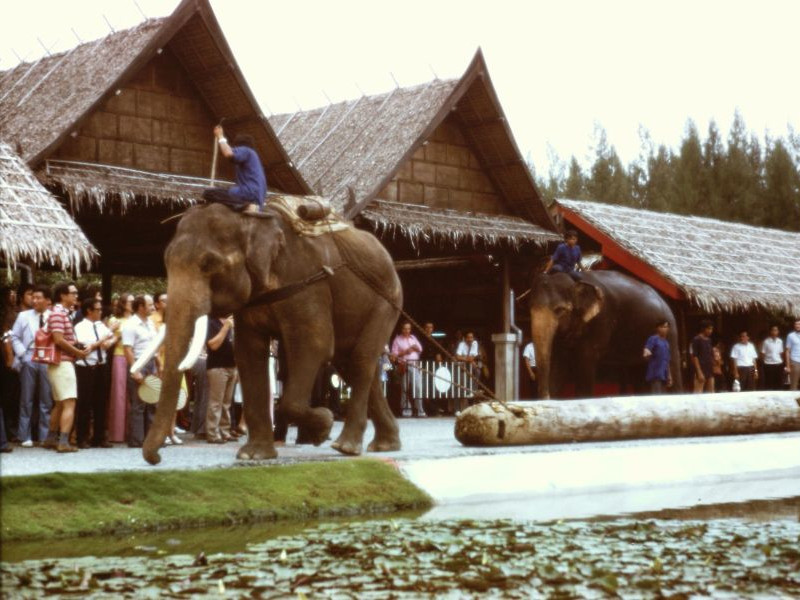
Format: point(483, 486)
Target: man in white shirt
point(136, 337)
point(793, 356)
point(468, 351)
point(93, 383)
point(34, 385)
point(743, 362)
point(772, 356)
point(529, 360)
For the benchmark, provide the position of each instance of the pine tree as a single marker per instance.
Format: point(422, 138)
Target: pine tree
point(739, 182)
point(781, 187)
point(575, 185)
point(608, 181)
point(689, 174)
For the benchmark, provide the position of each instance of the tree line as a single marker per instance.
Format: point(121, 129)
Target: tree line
point(742, 179)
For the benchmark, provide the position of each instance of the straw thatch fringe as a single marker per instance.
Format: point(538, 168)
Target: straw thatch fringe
point(719, 266)
point(33, 224)
point(109, 187)
point(419, 223)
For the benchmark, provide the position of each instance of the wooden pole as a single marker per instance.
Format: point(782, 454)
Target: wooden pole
point(599, 419)
point(214, 161)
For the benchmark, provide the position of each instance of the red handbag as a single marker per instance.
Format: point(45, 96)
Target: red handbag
point(44, 348)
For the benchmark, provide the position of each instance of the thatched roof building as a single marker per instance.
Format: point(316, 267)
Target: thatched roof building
point(434, 171)
point(121, 129)
point(33, 225)
point(714, 264)
point(153, 89)
point(435, 161)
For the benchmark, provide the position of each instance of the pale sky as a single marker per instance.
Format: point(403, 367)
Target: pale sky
point(559, 68)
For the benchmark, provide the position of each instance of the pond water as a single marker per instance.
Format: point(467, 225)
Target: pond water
point(411, 558)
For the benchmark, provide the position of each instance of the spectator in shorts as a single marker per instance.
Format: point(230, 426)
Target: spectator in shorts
point(63, 383)
point(703, 359)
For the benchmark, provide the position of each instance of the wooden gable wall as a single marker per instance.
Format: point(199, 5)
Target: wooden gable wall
point(444, 173)
point(157, 122)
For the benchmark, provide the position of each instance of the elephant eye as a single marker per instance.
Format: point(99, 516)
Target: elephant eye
point(560, 310)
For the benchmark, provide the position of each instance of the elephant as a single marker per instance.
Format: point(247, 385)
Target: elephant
point(332, 300)
point(605, 317)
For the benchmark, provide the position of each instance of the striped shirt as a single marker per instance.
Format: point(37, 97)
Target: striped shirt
point(59, 321)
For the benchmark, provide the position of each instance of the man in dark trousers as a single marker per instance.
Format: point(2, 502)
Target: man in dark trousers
point(657, 353)
point(93, 383)
point(703, 359)
point(251, 183)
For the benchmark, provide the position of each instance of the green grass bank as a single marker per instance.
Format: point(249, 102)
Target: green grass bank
point(77, 504)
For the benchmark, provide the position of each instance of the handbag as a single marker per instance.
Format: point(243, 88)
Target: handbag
point(44, 348)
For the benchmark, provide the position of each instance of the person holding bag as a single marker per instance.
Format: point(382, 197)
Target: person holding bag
point(63, 381)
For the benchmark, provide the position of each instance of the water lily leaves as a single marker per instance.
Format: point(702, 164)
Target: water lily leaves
point(494, 559)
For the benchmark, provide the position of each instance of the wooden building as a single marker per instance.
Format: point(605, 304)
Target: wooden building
point(121, 130)
point(434, 171)
point(739, 276)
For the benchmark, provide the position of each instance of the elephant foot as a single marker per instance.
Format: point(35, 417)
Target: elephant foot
point(257, 451)
point(384, 444)
point(150, 448)
point(346, 446)
point(317, 428)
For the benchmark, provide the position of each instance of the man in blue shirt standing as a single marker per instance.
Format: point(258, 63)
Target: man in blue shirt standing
point(567, 257)
point(657, 353)
point(251, 183)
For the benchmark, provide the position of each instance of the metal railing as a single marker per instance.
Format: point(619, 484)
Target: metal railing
point(432, 380)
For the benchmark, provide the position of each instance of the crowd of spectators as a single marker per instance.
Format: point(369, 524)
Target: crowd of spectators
point(90, 398)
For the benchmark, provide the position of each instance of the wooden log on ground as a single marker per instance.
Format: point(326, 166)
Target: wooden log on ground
point(684, 415)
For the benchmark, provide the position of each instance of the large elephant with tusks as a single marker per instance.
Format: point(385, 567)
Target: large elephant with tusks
point(603, 319)
point(326, 300)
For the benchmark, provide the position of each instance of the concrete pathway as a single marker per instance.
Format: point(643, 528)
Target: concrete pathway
point(531, 482)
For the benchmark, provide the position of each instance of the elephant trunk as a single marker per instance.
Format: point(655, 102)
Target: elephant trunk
point(181, 323)
point(543, 328)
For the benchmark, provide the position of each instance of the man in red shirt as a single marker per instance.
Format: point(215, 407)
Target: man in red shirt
point(63, 382)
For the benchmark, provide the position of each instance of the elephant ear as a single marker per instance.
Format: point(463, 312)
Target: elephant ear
point(264, 241)
point(588, 300)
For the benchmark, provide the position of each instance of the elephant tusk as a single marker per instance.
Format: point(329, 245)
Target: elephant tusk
point(198, 340)
point(150, 351)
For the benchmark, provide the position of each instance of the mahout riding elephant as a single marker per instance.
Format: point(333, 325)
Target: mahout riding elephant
point(220, 262)
point(605, 318)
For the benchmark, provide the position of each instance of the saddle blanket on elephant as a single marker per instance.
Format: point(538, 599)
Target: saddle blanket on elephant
point(295, 210)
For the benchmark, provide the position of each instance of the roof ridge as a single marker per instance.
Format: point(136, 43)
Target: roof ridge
point(376, 96)
point(149, 22)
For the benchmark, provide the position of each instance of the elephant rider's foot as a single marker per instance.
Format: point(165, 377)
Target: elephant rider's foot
point(347, 446)
point(384, 444)
point(257, 451)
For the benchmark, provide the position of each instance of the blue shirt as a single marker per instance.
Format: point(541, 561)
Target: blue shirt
point(251, 183)
point(793, 346)
point(658, 363)
point(567, 256)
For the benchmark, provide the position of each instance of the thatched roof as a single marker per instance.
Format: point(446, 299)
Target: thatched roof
point(361, 144)
point(716, 264)
point(420, 223)
point(100, 184)
point(33, 224)
point(43, 102)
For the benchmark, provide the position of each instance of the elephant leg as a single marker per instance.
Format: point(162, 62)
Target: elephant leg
point(252, 352)
point(387, 435)
point(361, 371)
point(306, 353)
point(586, 372)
